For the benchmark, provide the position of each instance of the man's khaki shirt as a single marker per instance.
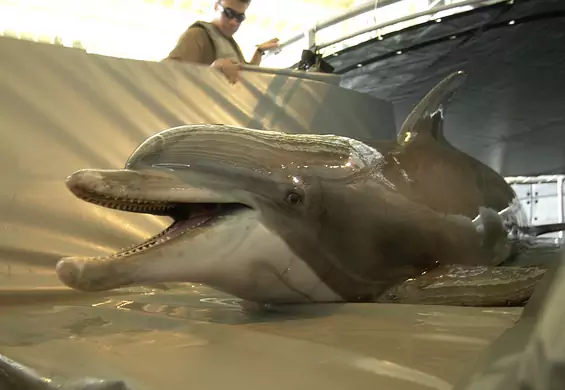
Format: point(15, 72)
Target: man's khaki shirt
point(196, 44)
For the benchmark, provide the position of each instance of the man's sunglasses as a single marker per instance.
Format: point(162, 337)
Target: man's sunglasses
point(230, 13)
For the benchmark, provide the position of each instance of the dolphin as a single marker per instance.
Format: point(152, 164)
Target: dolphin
point(277, 218)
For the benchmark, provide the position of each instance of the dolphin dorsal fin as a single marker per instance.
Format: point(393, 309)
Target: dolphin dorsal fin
point(427, 117)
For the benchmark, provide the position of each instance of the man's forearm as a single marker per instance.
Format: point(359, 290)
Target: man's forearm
point(256, 59)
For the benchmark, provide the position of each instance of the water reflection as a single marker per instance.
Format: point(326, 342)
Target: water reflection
point(199, 303)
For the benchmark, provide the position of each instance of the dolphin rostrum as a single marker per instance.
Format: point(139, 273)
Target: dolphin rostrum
point(272, 217)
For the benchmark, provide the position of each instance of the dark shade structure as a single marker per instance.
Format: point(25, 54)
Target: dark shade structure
point(510, 113)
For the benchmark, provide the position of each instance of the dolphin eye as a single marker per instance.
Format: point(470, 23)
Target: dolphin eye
point(293, 197)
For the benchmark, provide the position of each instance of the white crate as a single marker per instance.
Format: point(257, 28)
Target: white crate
point(542, 198)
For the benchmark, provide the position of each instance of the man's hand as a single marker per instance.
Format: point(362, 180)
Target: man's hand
point(261, 49)
point(229, 68)
point(270, 44)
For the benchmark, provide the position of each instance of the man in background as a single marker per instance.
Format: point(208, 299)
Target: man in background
point(212, 43)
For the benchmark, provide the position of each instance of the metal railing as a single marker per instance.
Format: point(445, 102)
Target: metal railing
point(356, 11)
point(558, 180)
point(316, 76)
point(433, 8)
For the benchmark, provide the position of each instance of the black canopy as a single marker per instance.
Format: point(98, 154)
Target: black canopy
point(511, 112)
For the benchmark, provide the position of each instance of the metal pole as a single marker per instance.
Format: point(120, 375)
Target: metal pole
point(316, 76)
point(560, 201)
point(533, 179)
point(434, 3)
point(311, 39)
point(406, 18)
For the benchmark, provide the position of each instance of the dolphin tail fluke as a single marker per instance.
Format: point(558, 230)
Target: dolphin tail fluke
point(467, 285)
point(427, 117)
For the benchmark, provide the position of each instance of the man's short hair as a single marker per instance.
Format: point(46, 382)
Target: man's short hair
point(245, 1)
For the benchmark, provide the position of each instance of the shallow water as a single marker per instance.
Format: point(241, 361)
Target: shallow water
point(178, 336)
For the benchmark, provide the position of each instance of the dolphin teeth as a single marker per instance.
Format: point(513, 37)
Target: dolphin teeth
point(128, 204)
point(156, 239)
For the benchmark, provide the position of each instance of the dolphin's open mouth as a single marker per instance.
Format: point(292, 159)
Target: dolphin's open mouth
point(205, 225)
point(186, 216)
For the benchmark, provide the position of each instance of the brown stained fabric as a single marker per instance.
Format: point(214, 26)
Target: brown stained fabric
point(195, 45)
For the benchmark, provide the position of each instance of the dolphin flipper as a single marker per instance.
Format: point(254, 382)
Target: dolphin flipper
point(473, 285)
point(495, 244)
point(15, 376)
point(464, 285)
point(494, 235)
